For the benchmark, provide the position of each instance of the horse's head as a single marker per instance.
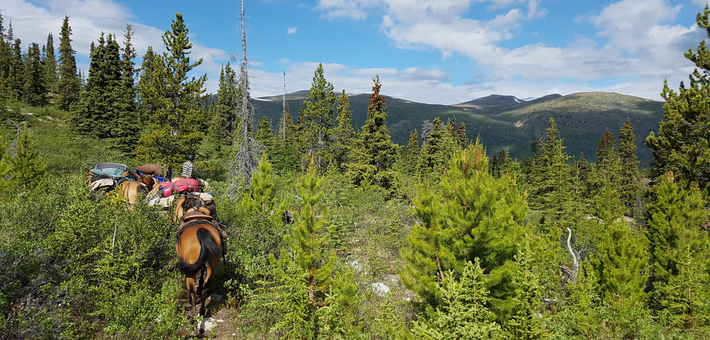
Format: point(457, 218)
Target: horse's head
point(189, 203)
point(148, 180)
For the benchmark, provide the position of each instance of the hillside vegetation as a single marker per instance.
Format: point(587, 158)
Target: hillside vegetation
point(506, 122)
point(333, 230)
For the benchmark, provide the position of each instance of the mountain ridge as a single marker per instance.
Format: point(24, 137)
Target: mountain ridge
point(506, 121)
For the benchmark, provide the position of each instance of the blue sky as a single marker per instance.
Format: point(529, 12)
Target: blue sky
point(433, 51)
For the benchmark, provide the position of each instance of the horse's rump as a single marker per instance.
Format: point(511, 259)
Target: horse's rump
point(189, 262)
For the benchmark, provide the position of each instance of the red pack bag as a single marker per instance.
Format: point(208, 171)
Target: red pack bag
point(180, 186)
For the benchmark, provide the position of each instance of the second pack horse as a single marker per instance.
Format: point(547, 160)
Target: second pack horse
point(199, 247)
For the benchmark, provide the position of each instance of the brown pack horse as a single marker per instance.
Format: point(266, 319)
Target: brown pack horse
point(148, 180)
point(198, 249)
point(189, 203)
point(131, 189)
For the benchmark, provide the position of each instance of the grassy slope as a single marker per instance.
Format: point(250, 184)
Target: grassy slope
point(61, 148)
point(582, 118)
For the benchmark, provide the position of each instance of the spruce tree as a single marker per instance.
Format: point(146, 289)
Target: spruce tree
point(34, 91)
point(683, 141)
point(17, 71)
point(621, 261)
point(50, 65)
point(474, 216)
point(286, 157)
point(630, 175)
point(127, 126)
point(527, 321)
point(676, 237)
point(228, 101)
point(344, 133)
point(318, 119)
point(68, 82)
point(374, 153)
point(5, 57)
point(174, 130)
point(463, 313)
point(306, 266)
point(265, 136)
point(552, 192)
point(431, 156)
point(410, 154)
point(148, 86)
point(27, 165)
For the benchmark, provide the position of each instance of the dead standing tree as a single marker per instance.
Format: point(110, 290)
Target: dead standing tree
point(244, 163)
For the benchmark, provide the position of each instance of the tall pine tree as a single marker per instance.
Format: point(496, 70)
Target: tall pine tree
point(374, 153)
point(68, 83)
point(174, 129)
point(34, 92)
point(318, 116)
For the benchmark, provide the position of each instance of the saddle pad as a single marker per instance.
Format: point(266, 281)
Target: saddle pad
point(102, 183)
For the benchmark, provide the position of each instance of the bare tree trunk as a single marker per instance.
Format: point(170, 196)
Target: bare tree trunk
point(245, 162)
point(575, 266)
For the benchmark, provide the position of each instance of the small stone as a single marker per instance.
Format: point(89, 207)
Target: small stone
point(216, 298)
point(380, 289)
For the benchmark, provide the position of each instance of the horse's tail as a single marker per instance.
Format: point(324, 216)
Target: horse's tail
point(208, 247)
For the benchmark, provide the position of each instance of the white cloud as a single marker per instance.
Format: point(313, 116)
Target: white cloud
point(87, 19)
point(291, 30)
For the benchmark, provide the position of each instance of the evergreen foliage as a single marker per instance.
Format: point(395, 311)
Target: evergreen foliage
point(474, 216)
point(374, 153)
point(17, 71)
point(174, 129)
point(527, 321)
point(306, 267)
point(676, 237)
point(49, 64)
point(229, 98)
point(553, 181)
point(28, 169)
point(101, 103)
point(68, 82)
point(318, 116)
point(683, 141)
point(462, 313)
point(432, 157)
point(265, 136)
point(630, 175)
point(410, 154)
point(127, 123)
point(34, 90)
point(344, 133)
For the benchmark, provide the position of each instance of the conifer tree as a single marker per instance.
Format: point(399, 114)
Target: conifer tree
point(260, 198)
point(306, 265)
point(175, 124)
point(374, 153)
point(629, 175)
point(5, 169)
point(50, 65)
point(461, 135)
point(68, 82)
point(148, 86)
point(431, 156)
point(676, 236)
point(463, 313)
point(553, 180)
point(28, 167)
point(286, 157)
point(228, 102)
point(527, 321)
point(17, 71)
point(410, 154)
point(475, 216)
point(102, 102)
point(5, 57)
point(265, 136)
point(127, 127)
point(318, 116)
point(34, 88)
point(683, 141)
point(344, 133)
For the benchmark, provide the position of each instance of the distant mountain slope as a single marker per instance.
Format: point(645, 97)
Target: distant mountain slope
point(507, 121)
point(582, 118)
